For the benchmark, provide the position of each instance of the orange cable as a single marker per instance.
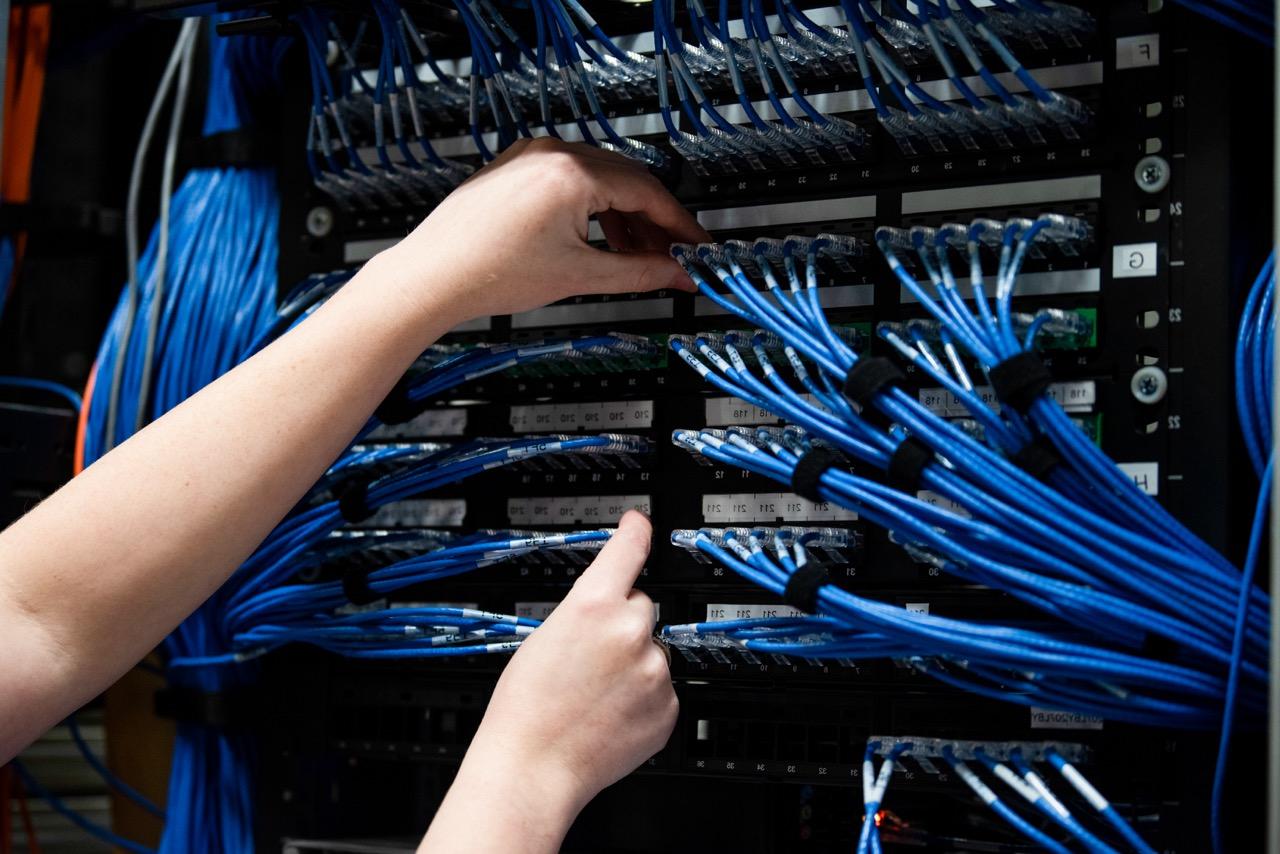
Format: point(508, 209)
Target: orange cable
point(33, 844)
point(82, 422)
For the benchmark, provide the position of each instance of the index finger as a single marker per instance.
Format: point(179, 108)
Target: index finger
point(620, 562)
point(635, 191)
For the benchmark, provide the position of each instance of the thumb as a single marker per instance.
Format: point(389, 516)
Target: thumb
point(634, 272)
point(620, 562)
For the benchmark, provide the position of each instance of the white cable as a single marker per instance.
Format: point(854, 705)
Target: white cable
point(131, 222)
point(192, 26)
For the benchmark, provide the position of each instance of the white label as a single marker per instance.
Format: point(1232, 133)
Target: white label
point(734, 411)
point(1134, 260)
point(739, 507)
point(1076, 396)
point(1146, 476)
point(928, 496)
point(726, 411)
point(567, 417)
point(422, 513)
point(1052, 719)
point(535, 610)
point(1137, 51)
point(573, 509)
point(917, 607)
point(719, 612)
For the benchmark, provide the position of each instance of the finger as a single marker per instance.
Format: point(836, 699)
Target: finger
point(616, 230)
point(632, 272)
point(642, 603)
point(636, 191)
point(645, 236)
point(616, 568)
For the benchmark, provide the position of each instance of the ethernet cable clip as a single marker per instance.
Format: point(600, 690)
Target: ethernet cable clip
point(809, 469)
point(1020, 379)
point(867, 378)
point(802, 587)
point(908, 463)
point(1037, 458)
point(397, 407)
point(242, 147)
point(355, 586)
point(217, 709)
point(353, 500)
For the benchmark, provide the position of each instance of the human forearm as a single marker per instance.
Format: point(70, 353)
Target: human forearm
point(95, 577)
point(496, 806)
point(106, 567)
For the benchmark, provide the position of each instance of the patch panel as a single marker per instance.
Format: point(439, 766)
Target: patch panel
point(1131, 295)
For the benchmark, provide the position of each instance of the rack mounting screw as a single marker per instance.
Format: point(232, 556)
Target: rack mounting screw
point(1149, 385)
point(1152, 174)
point(319, 221)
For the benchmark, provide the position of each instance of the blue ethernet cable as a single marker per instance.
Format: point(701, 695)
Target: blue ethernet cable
point(873, 790)
point(58, 389)
point(778, 585)
point(60, 806)
point(1097, 801)
point(816, 342)
point(998, 806)
point(1016, 648)
point(1252, 390)
point(1031, 788)
point(1002, 481)
point(1223, 12)
point(1237, 650)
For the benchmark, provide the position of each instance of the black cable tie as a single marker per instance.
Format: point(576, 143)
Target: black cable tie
point(907, 464)
point(355, 586)
point(808, 471)
point(353, 500)
point(868, 377)
point(397, 407)
point(1037, 458)
point(1019, 380)
point(207, 708)
point(244, 147)
point(802, 587)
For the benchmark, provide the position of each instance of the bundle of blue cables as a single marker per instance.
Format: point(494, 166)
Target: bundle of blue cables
point(1083, 546)
point(1253, 18)
point(258, 609)
point(172, 337)
point(262, 618)
point(1043, 514)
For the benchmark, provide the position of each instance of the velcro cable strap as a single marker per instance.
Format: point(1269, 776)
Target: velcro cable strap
point(801, 591)
point(1020, 379)
point(808, 471)
point(397, 407)
point(241, 147)
point(355, 586)
point(207, 708)
point(868, 377)
point(353, 500)
point(1037, 458)
point(907, 464)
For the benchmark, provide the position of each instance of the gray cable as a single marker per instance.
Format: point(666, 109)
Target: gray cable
point(131, 222)
point(162, 246)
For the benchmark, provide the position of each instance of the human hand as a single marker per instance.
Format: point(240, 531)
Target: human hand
point(585, 700)
point(514, 235)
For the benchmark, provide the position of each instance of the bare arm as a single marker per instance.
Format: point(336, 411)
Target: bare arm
point(94, 577)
